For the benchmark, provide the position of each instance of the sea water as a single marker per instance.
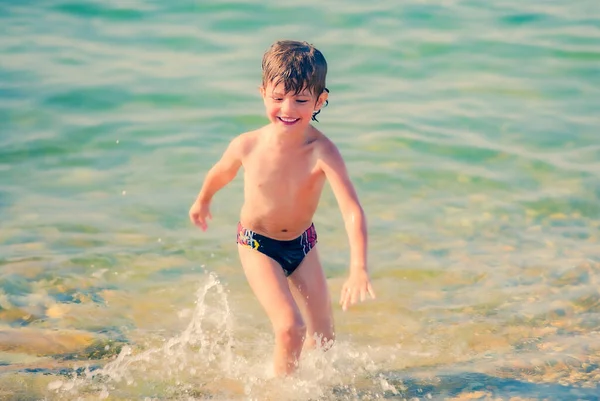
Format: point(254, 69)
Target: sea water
point(470, 129)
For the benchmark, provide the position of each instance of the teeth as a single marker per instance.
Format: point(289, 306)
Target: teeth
point(287, 120)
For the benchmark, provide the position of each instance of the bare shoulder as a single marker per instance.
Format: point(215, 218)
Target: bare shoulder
point(327, 151)
point(244, 143)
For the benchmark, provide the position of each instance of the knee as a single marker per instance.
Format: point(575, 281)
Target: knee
point(291, 334)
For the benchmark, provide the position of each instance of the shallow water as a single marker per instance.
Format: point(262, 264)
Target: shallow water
point(470, 129)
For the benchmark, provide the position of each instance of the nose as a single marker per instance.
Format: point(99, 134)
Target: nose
point(287, 106)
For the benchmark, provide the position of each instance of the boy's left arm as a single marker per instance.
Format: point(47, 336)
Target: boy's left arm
point(358, 284)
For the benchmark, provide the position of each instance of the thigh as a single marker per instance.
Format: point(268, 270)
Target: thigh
point(270, 286)
point(309, 288)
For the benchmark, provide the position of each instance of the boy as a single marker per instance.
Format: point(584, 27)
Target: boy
point(285, 166)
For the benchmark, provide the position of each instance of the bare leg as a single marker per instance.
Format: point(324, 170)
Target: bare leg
point(309, 288)
point(269, 284)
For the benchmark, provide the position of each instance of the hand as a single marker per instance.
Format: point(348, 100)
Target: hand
point(358, 284)
point(199, 212)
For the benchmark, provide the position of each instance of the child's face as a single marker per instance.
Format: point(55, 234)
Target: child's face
point(288, 110)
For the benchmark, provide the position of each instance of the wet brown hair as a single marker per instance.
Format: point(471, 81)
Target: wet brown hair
point(298, 65)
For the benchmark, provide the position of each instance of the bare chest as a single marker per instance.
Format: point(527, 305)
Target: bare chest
point(282, 174)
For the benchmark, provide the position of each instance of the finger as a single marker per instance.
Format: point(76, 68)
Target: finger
point(345, 299)
point(342, 293)
point(371, 291)
point(363, 295)
point(209, 215)
point(354, 297)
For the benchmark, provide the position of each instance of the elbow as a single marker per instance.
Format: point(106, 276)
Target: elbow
point(355, 215)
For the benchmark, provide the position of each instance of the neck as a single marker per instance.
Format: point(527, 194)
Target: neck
point(290, 138)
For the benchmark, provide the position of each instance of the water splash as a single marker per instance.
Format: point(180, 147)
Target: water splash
point(205, 346)
point(205, 362)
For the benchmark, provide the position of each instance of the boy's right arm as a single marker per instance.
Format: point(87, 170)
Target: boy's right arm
point(217, 177)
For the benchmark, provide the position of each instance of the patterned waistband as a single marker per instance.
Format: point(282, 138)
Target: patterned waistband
point(307, 238)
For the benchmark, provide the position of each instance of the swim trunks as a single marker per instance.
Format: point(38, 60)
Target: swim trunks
point(289, 254)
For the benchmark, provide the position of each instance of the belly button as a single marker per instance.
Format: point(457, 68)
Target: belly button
point(284, 230)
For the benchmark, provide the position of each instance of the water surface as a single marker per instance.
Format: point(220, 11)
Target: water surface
point(470, 130)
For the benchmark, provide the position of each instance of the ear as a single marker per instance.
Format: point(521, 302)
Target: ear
point(262, 91)
point(321, 99)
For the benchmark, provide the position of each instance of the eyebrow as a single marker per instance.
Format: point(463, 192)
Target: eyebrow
point(297, 94)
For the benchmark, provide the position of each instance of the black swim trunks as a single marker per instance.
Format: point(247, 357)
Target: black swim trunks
point(289, 254)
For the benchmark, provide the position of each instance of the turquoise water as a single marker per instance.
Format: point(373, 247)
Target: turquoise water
point(471, 130)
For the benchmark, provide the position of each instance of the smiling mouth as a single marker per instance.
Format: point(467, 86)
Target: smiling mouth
point(288, 121)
